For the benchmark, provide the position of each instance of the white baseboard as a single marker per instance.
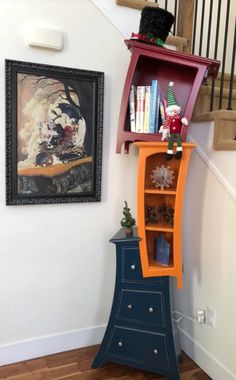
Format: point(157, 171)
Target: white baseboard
point(47, 345)
point(213, 367)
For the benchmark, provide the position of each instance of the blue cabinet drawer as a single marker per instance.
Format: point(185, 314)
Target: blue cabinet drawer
point(142, 306)
point(131, 266)
point(131, 270)
point(141, 346)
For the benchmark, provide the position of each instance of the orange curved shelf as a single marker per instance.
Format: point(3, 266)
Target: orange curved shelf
point(155, 191)
point(151, 155)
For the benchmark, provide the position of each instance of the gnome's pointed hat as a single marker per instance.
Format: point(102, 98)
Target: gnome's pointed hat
point(171, 101)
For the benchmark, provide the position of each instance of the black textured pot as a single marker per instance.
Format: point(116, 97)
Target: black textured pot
point(128, 231)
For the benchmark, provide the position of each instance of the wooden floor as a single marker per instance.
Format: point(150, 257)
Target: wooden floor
point(76, 365)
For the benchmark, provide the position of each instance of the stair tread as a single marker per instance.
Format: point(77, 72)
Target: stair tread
point(213, 115)
point(179, 40)
point(206, 90)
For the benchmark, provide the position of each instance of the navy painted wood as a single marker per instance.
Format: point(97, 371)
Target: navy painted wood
point(139, 332)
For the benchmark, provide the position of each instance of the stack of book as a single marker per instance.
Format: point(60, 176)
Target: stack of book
point(147, 111)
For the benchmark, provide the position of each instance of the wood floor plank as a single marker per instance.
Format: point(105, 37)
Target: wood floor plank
point(76, 365)
point(35, 364)
point(200, 375)
point(61, 372)
point(62, 358)
point(12, 370)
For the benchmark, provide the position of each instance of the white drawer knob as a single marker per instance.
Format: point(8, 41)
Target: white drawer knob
point(155, 351)
point(120, 344)
point(130, 306)
point(133, 267)
point(151, 310)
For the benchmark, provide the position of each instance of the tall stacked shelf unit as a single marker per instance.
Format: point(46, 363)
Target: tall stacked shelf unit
point(134, 335)
point(188, 72)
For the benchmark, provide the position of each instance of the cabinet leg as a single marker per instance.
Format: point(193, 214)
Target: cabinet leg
point(99, 360)
point(175, 377)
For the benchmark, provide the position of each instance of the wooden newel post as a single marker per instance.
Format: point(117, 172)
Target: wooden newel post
point(185, 21)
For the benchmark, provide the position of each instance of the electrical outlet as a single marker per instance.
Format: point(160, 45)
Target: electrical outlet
point(211, 317)
point(201, 316)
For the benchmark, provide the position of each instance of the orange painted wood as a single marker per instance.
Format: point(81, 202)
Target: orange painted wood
point(151, 155)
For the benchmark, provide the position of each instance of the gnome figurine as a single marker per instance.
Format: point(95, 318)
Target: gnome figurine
point(173, 124)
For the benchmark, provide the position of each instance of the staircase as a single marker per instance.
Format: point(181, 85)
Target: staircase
point(224, 119)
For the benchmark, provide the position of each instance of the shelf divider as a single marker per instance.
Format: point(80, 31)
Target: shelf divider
point(158, 191)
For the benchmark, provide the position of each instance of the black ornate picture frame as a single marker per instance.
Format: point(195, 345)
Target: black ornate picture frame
point(54, 124)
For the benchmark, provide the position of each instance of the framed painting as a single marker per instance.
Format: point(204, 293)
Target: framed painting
point(54, 124)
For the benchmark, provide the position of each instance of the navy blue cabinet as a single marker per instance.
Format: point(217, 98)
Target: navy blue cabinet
point(139, 332)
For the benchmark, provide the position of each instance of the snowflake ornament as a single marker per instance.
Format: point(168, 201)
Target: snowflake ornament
point(162, 177)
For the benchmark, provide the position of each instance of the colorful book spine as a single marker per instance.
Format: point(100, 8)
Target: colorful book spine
point(162, 111)
point(139, 121)
point(158, 122)
point(147, 109)
point(132, 100)
point(153, 106)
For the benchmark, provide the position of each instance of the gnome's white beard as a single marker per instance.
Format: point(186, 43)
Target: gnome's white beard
point(173, 110)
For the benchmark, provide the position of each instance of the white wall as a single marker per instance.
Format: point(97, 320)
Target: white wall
point(209, 276)
point(56, 265)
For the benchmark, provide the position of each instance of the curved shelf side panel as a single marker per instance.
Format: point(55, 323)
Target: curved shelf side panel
point(141, 212)
point(183, 171)
point(124, 133)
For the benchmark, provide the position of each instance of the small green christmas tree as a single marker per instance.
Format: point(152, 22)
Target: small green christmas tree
point(127, 221)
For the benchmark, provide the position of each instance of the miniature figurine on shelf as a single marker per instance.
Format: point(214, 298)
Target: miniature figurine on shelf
point(171, 129)
point(148, 214)
point(151, 215)
point(167, 213)
point(155, 24)
point(162, 250)
point(128, 222)
point(162, 177)
point(154, 216)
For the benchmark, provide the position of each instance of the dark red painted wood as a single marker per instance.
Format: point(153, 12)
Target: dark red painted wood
point(149, 62)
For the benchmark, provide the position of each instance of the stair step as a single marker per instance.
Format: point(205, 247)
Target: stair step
point(179, 42)
point(226, 83)
point(136, 4)
point(213, 115)
point(206, 90)
point(203, 102)
point(224, 129)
